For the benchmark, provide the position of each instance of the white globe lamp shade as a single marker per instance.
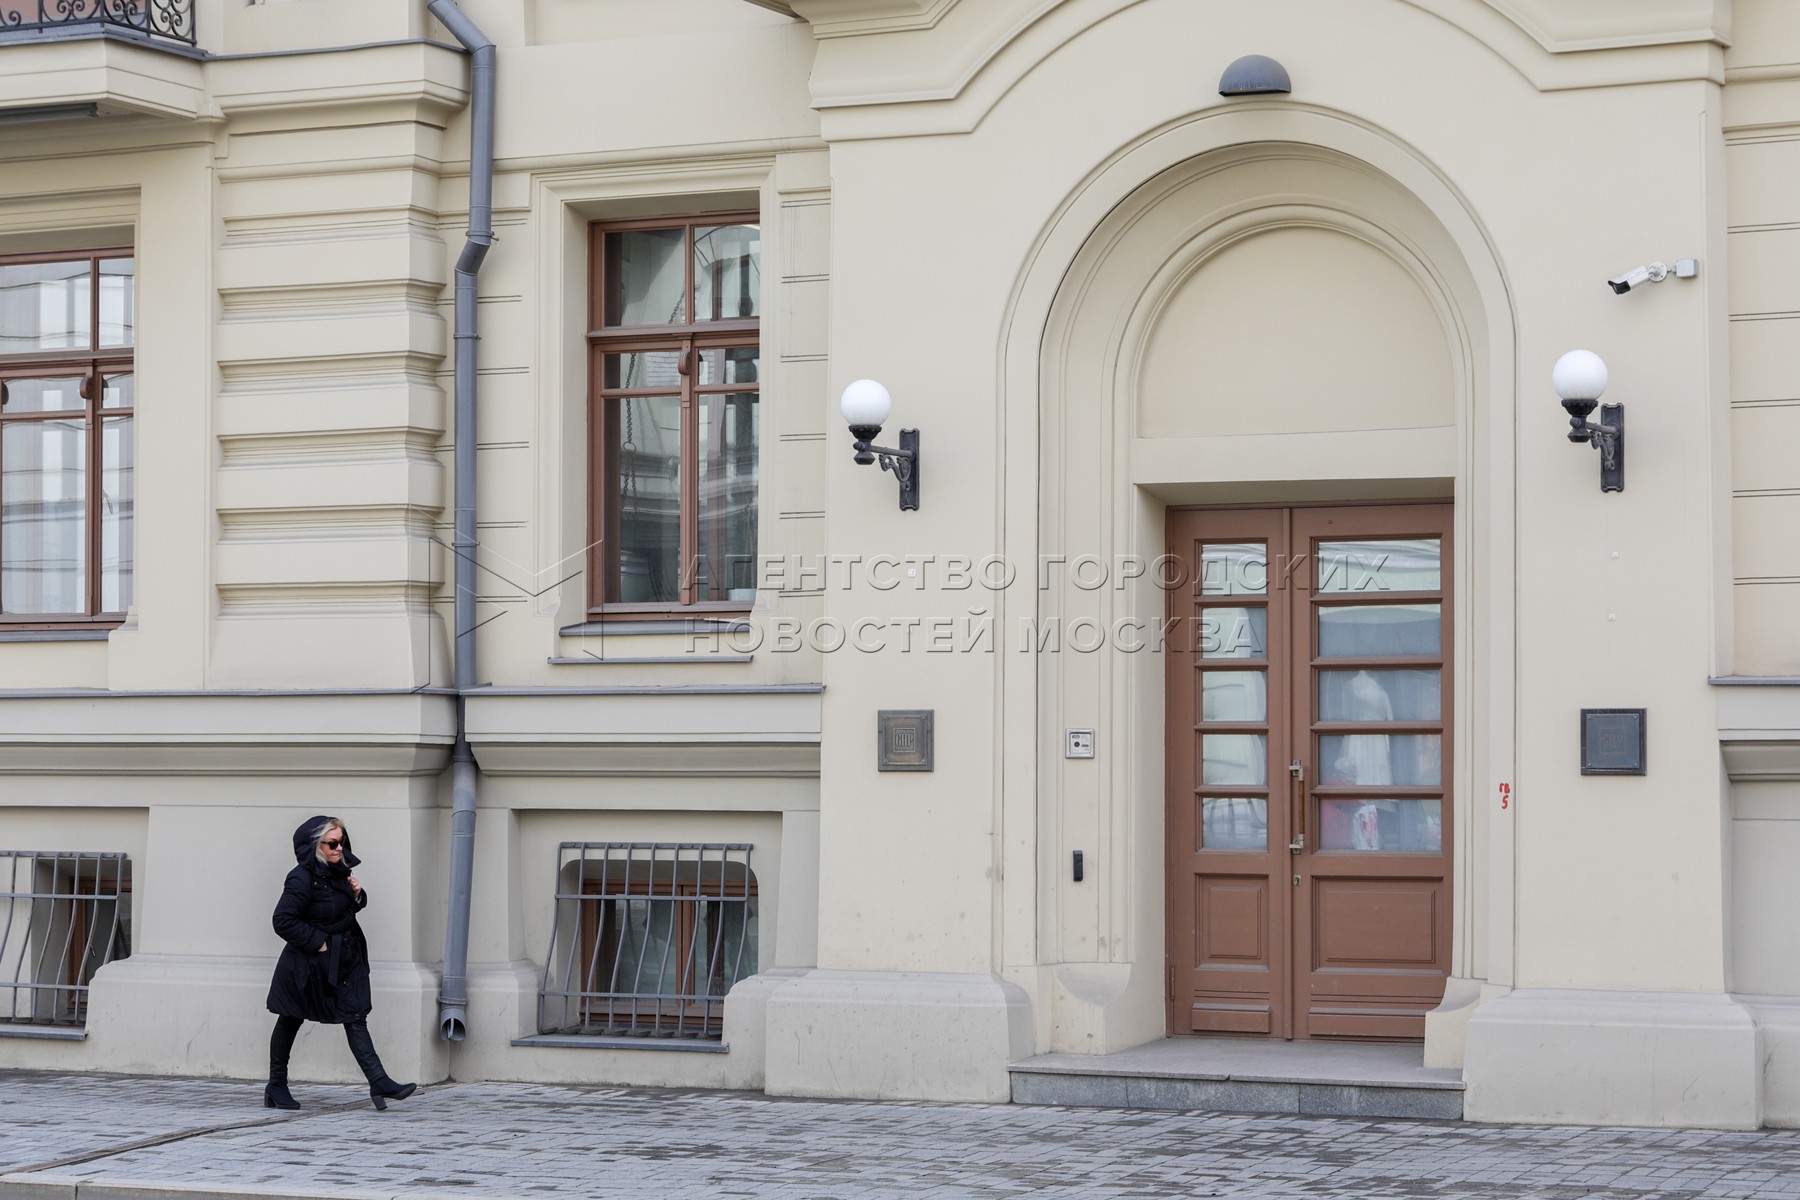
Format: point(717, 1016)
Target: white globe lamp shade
point(866, 402)
point(1579, 375)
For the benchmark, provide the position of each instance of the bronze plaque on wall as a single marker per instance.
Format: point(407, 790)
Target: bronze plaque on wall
point(904, 738)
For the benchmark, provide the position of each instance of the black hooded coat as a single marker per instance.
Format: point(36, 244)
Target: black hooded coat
point(318, 908)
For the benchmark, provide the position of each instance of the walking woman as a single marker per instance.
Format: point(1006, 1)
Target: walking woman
point(323, 973)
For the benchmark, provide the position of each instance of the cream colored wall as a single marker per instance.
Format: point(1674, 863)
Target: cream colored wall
point(1762, 129)
point(1135, 304)
point(1293, 330)
point(295, 250)
point(1485, 166)
point(1489, 137)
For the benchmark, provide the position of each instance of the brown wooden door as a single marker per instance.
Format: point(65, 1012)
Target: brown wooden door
point(1308, 765)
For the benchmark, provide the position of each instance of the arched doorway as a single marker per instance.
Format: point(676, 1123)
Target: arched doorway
point(1277, 330)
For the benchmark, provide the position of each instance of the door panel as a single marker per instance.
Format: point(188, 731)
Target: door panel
point(1227, 837)
point(1360, 923)
point(1308, 766)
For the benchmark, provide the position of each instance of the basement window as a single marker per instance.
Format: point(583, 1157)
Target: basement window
point(648, 939)
point(65, 915)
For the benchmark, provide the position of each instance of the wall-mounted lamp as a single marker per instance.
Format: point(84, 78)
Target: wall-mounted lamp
point(866, 405)
point(1579, 378)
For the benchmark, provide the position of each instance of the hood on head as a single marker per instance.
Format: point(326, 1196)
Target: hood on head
point(306, 839)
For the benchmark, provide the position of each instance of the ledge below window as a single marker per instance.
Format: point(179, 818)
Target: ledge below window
point(665, 627)
point(695, 625)
point(570, 1041)
point(97, 634)
point(48, 1033)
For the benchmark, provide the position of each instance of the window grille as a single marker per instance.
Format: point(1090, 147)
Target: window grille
point(67, 915)
point(648, 938)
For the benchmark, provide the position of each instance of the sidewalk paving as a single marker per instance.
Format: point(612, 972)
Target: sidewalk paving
point(87, 1137)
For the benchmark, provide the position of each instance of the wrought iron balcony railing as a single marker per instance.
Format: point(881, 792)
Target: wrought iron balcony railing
point(169, 20)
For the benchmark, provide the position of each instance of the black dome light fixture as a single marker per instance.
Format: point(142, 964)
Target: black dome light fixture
point(1255, 75)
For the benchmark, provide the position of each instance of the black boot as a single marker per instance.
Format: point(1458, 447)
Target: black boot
point(381, 1088)
point(281, 1042)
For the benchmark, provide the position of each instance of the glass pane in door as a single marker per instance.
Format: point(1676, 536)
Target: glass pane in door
point(1234, 569)
point(1234, 633)
point(1381, 565)
point(1382, 825)
point(1381, 760)
point(1228, 758)
point(1234, 823)
point(1381, 695)
point(1380, 630)
point(1234, 696)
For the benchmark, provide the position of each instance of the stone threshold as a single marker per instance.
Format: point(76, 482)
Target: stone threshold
point(1340, 1079)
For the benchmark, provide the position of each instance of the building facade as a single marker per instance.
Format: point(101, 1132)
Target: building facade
point(1260, 658)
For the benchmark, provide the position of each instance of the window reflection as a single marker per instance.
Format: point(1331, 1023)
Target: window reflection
point(1234, 823)
point(1381, 565)
point(1234, 696)
point(1228, 758)
point(1234, 633)
point(1234, 569)
point(646, 443)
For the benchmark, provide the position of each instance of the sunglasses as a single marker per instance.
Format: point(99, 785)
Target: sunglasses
point(331, 845)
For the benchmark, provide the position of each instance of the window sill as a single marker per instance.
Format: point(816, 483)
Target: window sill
point(660, 625)
point(48, 1033)
point(98, 633)
point(663, 660)
point(655, 627)
point(571, 1041)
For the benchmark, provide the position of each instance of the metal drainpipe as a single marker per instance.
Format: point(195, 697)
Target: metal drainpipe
point(454, 996)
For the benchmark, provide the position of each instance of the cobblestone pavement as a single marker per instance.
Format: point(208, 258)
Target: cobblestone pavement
point(524, 1140)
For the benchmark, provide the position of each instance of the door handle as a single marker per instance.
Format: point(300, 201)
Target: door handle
point(1297, 769)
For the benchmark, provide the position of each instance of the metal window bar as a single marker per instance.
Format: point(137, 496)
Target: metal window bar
point(648, 938)
point(67, 915)
point(172, 20)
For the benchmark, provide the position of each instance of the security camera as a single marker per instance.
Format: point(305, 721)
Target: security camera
point(1638, 276)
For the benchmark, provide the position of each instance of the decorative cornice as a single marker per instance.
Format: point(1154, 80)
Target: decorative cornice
point(855, 18)
point(1759, 727)
point(431, 77)
point(955, 62)
point(77, 732)
point(1570, 26)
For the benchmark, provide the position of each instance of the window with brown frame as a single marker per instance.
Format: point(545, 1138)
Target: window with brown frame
point(673, 415)
point(66, 437)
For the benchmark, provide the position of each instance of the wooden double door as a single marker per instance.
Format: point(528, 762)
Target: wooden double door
point(1309, 768)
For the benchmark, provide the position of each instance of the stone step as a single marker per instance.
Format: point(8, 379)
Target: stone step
point(1243, 1075)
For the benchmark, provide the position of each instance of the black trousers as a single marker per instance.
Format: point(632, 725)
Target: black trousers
point(362, 1048)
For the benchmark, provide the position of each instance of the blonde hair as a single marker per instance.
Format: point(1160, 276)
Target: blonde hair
point(331, 823)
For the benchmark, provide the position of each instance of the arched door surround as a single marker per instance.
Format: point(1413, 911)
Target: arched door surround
point(1155, 358)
